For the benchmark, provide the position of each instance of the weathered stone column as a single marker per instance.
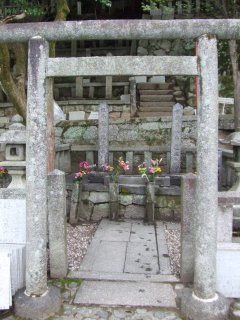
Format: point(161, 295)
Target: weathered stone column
point(176, 138)
point(103, 126)
point(207, 170)
point(203, 302)
point(37, 301)
point(36, 171)
point(57, 221)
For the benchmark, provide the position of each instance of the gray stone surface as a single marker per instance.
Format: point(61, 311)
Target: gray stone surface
point(198, 309)
point(111, 257)
point(142, 257)
point(98, 66)
point(207, 169)
point(176, 138)
point(127, 29)
point(37, 308)
point(228, 278)
point(103, 133)
point(57, 224)
point(134, 212)
point(100, 211)
point(163, 255)
point(36, 261)
point(76, 115)
point(188, 213)
point(126, 249)
point(128, 294)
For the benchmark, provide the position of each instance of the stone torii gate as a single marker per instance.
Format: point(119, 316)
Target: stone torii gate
point(203, 302)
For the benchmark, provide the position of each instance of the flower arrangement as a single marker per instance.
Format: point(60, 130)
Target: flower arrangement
point(84, 169)
point(114, 171)
point(150, 172)
point(3, 172)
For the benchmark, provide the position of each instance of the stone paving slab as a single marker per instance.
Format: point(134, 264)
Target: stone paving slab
point(111, 257)
point(116, 293)
point(141, 233)
point(141, 257)
point(113, 231)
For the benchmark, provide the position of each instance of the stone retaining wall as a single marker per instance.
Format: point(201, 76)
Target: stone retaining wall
point(93, 200)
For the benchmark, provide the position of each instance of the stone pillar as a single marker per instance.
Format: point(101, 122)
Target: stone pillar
point(57, 224)
point(207, 169)
point(176, 139)
point(37, 301)
point(129, 159)
point(147, 158)
point(103, 131)
point(204, 302)
point(133, 96)
point(108, 87)
point(36, 171)
point(188, 213)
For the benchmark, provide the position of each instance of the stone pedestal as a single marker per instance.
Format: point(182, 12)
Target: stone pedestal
point(194, 308)
point(37, 308)
point(150, 202)
point(113, 200)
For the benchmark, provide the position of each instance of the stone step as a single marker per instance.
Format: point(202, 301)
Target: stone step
point(156, 109)
point(157, 104)
point(160, 98)
point(155, 92)
point(120, 293)
point(153, 114)
point(154, 86)
point(108, 276)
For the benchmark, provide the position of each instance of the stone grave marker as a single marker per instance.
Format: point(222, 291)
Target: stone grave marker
point(176, 139)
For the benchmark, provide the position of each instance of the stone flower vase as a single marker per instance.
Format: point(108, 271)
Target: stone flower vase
point(150, 203)
point(75, 200)
point(113, 201)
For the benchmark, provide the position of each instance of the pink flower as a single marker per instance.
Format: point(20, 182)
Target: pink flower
point(84, 164)
point(151, 169)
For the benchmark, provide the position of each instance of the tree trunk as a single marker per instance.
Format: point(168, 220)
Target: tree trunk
point(61, 15)
point(233, 48)
point(14, 87)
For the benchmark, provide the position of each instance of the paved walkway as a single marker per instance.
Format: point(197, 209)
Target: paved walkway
point(127, 264)
point(126, 275)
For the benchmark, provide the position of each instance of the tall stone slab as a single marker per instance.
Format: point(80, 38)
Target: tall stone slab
point(188, 213)
point(176, 138)
point(103, 131)
point(57, 224)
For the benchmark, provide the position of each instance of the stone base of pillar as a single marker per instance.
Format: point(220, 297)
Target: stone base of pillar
point(37, 308)
point(196, 309)
point(235, 311)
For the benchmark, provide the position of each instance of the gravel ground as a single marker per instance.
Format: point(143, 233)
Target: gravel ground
point(79, 237)
point(78, 240)
point(173, 233)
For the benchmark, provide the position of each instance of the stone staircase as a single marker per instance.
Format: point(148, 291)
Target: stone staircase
point(156, 99)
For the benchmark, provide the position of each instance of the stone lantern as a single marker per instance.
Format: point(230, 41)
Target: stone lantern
point(15, 152)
